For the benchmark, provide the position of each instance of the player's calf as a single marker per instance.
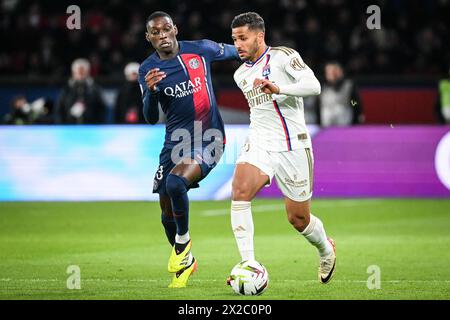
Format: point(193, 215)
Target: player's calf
point(298, 222)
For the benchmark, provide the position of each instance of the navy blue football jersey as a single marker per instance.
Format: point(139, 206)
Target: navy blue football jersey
point(186, 94)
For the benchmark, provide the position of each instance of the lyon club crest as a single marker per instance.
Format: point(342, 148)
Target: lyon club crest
point(193, 63)
point(266, 70)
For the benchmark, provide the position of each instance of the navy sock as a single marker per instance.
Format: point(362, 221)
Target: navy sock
point(169, 227)
point(177, 188)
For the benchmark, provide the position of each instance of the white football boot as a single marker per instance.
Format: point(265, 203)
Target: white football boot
point(328, 265)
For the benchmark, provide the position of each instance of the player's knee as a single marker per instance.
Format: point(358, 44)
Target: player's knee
point(241, 191)
point(298, 221)
point(176, 185)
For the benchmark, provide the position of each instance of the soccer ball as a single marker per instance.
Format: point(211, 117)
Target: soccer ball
point(249, 278)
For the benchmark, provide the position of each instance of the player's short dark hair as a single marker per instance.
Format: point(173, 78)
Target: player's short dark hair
point(251, 19)
point(157, 14)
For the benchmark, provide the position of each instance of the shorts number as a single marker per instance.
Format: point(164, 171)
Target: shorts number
point(159, 173)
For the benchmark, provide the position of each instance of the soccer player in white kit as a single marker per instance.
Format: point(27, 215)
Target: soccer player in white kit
point(274, 80)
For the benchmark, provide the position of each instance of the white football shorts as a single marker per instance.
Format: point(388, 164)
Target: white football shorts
point(293, 170)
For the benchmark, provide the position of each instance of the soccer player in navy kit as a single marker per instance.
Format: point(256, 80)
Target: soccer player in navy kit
point(178, 77)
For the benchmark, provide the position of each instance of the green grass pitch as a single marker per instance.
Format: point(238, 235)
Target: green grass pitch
point(122, 251)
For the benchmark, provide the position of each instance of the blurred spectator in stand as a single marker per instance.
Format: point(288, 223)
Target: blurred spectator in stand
point(412, 39)
point(20, 112)
point(310, 109)
point(339, 103)
point(80, 101)
point(43, 111)
point(443, 101)
point(23, 112)
point(129, 100)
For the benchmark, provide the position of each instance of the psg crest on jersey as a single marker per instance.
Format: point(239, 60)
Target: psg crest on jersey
point(266, 70)
point(193, 63)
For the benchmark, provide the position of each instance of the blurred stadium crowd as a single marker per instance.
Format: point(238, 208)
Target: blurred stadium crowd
point(331, 35)
point(414, 33)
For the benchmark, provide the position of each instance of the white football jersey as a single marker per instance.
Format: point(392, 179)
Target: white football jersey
point(277, 121)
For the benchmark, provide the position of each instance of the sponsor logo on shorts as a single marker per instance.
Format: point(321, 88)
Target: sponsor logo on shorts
point(296, 183)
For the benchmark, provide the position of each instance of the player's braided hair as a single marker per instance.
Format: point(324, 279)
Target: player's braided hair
point(250, 19)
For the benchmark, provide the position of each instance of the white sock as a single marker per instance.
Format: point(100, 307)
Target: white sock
point(242, 224)
point(183, 238)
point(315, 234)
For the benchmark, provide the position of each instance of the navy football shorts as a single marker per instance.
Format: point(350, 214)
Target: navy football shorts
point(207, 159)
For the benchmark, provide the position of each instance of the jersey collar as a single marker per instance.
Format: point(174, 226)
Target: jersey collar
point(251, 64)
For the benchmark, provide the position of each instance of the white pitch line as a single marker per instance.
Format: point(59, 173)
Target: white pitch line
point(318, 204)
point(347, 203)
point(263, 208)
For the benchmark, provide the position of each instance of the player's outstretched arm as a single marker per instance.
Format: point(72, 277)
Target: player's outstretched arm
point(219, 51)
point(306, 85)
point(305, 82)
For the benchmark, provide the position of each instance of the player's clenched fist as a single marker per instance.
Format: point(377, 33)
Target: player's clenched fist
point(153, 77)
point(266, 86)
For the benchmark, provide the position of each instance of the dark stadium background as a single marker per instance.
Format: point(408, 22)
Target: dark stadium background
point(410, 51)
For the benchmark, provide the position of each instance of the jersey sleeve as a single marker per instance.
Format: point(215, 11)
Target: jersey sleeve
point(295, 66)
point(149, 100)
point(218, 51)
point(141, 78)
point(305, 82)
